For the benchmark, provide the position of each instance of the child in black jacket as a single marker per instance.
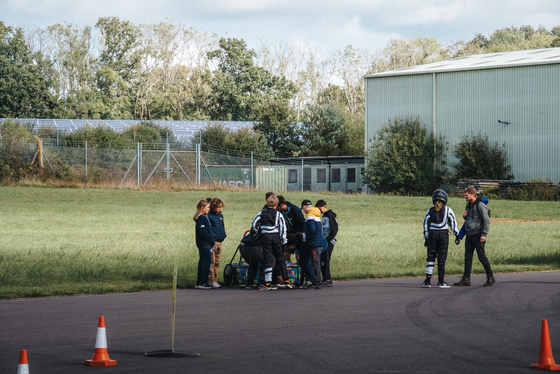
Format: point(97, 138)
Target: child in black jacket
point(330, 231)
point(205, 242)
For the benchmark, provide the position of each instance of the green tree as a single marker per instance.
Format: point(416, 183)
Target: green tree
point(275, 120)
point(238, 85)
point(353, 142)
point(100, 136)
point(403, 159)
point(119, 62)
point(149, 132)
point(478, 159)
point(247, 140)
point(25, 78)
point(75, 65)
point(323, 131)
point(213, 135)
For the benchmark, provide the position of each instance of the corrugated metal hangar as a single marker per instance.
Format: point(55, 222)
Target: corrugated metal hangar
point(512, 97)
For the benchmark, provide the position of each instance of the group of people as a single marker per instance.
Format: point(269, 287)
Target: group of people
point(281, 230)
point(278, 231)
point(439, 219)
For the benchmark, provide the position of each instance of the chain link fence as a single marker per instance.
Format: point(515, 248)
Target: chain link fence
point(177, 162)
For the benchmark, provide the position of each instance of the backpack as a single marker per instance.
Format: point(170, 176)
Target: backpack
point(485, 201)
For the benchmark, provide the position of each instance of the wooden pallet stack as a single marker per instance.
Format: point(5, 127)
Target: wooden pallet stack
point(479, 184)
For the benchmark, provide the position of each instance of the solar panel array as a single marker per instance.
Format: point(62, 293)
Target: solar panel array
point(183, 130)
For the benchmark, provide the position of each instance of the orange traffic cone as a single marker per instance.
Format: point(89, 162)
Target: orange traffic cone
point(23, 367)
point(101, 356)
point(546, 361)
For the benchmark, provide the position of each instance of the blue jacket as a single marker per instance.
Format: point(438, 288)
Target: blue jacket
point(313, 228)
point(218, 227)
point(204, 234)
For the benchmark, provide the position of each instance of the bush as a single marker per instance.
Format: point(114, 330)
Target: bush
point(403, 159)
point(14, 160)
point(477, 159)
point(536, 190)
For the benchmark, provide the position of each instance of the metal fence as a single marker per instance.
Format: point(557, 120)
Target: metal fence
point(177, 163)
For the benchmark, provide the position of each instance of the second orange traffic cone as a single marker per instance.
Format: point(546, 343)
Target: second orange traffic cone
point(545, 361)
point(101, 356)
point(23, 367)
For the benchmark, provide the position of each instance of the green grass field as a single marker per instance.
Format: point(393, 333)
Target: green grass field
point(87, 240)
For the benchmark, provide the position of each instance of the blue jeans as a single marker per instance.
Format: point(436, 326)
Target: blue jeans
point(205, 258)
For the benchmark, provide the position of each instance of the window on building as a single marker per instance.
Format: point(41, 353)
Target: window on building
point(351, 175)
point(292, 176)
point(335, 175)
point(321, 175)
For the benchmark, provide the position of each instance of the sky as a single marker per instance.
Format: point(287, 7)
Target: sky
point(366, 24)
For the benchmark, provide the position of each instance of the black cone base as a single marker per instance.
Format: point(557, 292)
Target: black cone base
point(171, 354)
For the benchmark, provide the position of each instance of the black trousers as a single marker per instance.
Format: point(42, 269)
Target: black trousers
point(472, 243)
point(326, 262)
point(438, 243)
point(273, 255)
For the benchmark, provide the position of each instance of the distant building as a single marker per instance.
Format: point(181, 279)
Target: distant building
point(324, 173)
point(512, 97)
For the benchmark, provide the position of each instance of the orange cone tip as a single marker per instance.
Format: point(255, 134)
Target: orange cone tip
point(101, 356)
point(23, 367)
point(545, 361)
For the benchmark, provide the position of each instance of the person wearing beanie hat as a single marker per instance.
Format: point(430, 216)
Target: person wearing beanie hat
point(437, 222)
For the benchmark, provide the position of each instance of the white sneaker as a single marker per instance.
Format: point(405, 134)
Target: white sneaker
point(215, 285)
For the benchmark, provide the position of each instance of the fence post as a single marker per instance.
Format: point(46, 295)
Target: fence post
point(86, 161)
point(167, 159)
point(252, 179)
point(139, 163)
point(198, 164)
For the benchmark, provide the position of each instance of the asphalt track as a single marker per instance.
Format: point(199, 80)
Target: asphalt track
point(368, 326)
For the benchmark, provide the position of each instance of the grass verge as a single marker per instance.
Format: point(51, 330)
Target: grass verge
point(65, 241)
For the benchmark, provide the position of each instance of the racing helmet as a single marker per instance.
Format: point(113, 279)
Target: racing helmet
point(440, 195)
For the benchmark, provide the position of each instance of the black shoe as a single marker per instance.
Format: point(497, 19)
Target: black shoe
point(490, 280)
point(426, 284)
point(463, 282)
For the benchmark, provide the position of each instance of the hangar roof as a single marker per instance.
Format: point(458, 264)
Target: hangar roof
point(481, 61)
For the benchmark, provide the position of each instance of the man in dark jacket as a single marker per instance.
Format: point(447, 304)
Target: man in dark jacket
point(218, 229)
point(477, 224)
point(330, 230)
point(296, 223)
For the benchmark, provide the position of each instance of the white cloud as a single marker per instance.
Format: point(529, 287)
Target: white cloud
point(333, 23)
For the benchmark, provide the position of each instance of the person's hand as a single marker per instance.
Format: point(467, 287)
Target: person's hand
point(483, 239)
point(426, 242)
point(465, 214)
point(457, 240)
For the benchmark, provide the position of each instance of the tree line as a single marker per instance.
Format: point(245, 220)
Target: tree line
point(306, 100)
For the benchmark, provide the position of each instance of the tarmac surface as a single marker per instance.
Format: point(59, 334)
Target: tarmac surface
point(367, 326)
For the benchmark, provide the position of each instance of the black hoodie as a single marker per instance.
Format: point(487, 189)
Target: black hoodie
point(330, 226)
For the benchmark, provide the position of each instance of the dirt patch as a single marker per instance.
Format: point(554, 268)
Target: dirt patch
point(519, 220)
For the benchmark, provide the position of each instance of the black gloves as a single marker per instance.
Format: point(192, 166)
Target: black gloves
point(457, 240)
point(426, 242)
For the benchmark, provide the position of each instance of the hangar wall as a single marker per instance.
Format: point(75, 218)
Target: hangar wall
point(463, 102)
